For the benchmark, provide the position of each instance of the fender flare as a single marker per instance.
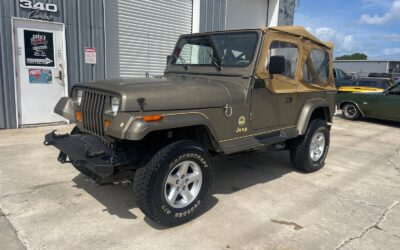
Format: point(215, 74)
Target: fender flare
point(307, 110)
point(138, 128)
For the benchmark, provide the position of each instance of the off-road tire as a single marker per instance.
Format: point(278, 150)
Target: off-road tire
point(149, 183)
point(350, 111)
point(82, 170)
point(300, 148)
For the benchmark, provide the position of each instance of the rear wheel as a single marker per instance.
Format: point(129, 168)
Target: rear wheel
point(176, 183)
point(350, 111)
point(308, 152)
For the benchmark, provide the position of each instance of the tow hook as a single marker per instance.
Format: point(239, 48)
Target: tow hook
point(54, 135)
point(62, 158)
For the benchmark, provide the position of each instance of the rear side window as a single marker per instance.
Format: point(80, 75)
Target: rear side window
point(342, 75)
point(366, 84)
point(316, 68)
point(287, 50)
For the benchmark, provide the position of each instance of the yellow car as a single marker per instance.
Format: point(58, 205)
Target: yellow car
point(362, 85)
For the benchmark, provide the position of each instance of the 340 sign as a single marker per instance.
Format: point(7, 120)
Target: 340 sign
point(30, 5)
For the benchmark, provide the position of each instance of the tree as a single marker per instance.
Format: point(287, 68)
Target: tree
point(355, 56)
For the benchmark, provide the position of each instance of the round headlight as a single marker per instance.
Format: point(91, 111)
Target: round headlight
point(78, 96)
point(115, 104)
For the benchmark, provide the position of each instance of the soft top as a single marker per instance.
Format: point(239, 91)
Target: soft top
point(298, 31)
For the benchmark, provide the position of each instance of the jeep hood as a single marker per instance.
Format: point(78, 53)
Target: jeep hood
point(164, 94)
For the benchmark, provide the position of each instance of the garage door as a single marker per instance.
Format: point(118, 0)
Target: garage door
point(246, 14)
point(140, 34)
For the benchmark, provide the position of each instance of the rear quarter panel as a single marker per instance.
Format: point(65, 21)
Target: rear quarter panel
point(362, 100)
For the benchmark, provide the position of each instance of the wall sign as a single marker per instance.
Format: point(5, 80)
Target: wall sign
point(39, 10)
point(90, 55)
point(39, 48)
point(40, 76)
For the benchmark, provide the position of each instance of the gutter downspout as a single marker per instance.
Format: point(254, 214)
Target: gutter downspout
point(268, 4)
point(105, 39)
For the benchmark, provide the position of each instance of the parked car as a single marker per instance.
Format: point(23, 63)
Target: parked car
point(222, 93)
point(366, 85)
point(341, 77)
point(380, 75)
point(396, 78)
point(384, 105)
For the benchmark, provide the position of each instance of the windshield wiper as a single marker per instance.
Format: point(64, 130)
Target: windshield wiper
point(184, 64)
point(215, 61)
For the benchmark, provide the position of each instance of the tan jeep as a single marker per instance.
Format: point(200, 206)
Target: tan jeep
point(222, 93)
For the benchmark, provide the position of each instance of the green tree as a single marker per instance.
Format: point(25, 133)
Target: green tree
point(355, 56)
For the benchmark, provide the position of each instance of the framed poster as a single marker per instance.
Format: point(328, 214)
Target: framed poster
point(39, 48)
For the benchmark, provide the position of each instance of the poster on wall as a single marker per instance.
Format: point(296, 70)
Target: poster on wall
point(40, 76)
point(39, 48)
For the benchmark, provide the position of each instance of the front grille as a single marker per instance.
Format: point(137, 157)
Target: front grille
point(93, 105)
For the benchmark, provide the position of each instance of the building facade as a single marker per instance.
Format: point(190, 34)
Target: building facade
point(48, 45)
point(362, 68)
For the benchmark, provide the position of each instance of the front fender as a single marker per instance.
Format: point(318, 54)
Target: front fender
point(307, 111)
point(65, 108)
point(136, 128)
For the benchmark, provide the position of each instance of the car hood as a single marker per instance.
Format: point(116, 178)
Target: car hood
point(355, 89)
point(165, 93)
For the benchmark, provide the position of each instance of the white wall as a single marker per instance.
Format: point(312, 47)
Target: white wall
point(196, 16)
point(273, 13)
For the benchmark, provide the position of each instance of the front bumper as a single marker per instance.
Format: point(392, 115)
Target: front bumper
point(86, 151)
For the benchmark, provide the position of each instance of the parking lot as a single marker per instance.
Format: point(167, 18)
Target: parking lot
point(259, 201)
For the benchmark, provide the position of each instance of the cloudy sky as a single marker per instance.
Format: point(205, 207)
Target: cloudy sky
point(367, 26)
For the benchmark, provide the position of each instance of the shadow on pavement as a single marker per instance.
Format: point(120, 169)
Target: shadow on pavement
point(393, 124)
point(233, 173)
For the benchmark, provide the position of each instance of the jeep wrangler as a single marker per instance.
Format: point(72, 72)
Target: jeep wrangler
point(221, 93)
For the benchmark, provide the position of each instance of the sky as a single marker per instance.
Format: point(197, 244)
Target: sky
point(366, 26)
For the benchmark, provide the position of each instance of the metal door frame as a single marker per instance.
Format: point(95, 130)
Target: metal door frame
point(16, 83)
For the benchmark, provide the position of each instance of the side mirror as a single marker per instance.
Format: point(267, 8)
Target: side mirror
point(168, 59)
point(276, 65)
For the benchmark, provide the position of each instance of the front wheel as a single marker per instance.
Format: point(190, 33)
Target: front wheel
point(308, 152)
point(175, 184)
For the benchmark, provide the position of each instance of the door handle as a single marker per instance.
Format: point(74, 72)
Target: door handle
point(60, 75)
point(289, 99)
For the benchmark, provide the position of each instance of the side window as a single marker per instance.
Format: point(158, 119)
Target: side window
point(342, 75)
point(287, 50)
point(316, 68)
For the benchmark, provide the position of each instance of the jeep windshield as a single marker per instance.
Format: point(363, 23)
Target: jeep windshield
point(216, 50)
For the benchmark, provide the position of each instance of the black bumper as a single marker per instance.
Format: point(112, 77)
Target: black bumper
point(85, 151)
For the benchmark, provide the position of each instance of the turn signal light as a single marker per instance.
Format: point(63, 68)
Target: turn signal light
point(152, 118)
point(107, 124)
point(78, 116)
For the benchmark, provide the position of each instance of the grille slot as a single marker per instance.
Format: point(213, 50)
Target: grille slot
point(93, 105)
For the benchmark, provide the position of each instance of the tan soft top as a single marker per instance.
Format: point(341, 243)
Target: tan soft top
point(299, 31)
